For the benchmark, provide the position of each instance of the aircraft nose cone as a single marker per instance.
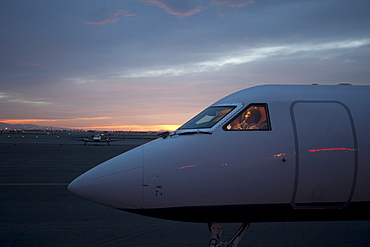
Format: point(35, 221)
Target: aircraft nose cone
point(116, 183)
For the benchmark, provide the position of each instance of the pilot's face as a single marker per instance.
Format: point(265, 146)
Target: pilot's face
point(248, 117)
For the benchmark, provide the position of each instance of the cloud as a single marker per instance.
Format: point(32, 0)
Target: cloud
point(14, 99)
point(248, 55)
point(33, 102)
point(16, 121)
point(26, 121)
point(233, 3)
point(3, 95)
point(176, 7)
point(112, 18)
point(29, 64)
point(91, 118)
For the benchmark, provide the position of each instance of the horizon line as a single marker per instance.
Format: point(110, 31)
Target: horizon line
point(128, 127)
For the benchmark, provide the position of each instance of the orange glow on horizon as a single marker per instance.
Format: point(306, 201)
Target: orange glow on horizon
point(54, 123)
point(132, 127)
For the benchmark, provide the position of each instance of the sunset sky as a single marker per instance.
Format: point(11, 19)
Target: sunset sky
point(154, 64)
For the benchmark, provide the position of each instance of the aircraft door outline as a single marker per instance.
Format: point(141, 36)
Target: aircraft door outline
point(324, 134)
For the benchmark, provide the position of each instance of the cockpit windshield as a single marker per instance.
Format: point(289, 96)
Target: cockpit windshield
point(208, 118)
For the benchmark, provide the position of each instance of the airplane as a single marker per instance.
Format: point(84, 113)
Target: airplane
point(96, 138)
point(263, 154)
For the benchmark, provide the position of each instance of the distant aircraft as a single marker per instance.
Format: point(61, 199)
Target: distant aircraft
point(266, 153)
point(97, 138)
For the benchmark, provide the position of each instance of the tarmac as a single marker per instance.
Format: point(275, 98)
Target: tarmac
point(36, 208)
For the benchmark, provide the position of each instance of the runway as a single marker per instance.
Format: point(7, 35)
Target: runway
point(37, 209)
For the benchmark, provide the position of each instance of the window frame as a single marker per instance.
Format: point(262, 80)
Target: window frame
point(237, 106)
point(211, 122)
point(265, 105)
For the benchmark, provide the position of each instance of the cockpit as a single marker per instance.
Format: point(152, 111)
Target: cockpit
point(231, 117)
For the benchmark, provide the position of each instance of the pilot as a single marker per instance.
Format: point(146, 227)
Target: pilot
point(251, 118)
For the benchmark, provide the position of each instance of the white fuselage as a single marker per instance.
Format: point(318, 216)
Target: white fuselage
point(97, 138)
point(311, 163)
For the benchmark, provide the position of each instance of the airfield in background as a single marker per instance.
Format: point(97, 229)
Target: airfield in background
point(37, 209)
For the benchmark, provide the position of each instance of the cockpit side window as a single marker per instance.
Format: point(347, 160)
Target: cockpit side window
point(254, 117)
point(208, 118)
